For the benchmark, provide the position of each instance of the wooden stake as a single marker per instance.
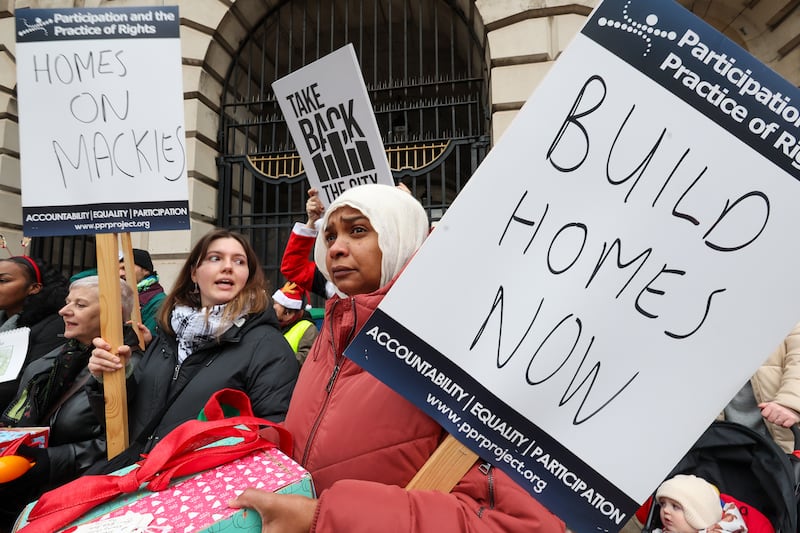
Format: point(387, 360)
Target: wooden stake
point(116, 399)
point(445, 467)
point(130, 278)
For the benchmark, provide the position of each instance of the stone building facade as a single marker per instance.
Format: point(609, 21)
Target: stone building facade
point(518, 41)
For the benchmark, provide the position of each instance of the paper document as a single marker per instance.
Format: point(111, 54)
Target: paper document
point(13, 347)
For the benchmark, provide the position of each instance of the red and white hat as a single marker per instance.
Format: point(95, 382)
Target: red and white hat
point(290, 296)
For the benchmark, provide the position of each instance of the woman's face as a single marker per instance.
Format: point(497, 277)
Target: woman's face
point(14, 287)
point(82, 314)
point(353, 256)
point(222, 273)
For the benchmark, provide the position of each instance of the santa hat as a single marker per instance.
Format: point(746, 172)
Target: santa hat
point(290, 296)
point(699, 498)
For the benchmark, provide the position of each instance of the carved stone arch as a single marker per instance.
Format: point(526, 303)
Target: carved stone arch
point(425, 66)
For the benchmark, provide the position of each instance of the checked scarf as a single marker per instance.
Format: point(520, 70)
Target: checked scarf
point(195, 327)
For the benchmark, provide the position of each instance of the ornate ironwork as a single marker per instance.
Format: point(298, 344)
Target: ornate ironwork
point(407, 158)
point(426, 76)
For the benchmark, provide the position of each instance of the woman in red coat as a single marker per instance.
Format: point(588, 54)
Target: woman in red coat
point(361, 441)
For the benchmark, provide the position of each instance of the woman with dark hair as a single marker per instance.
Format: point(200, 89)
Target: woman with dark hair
point(31, 293)
point(217, 330)
point(361, 441)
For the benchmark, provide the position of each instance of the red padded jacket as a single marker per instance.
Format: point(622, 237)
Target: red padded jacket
point(362, 443)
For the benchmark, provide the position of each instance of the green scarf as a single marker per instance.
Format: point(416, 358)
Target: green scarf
point(152, 279)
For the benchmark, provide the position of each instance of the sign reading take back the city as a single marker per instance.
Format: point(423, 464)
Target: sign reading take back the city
point(615, 270)
point(330, 117)
point(102, 138)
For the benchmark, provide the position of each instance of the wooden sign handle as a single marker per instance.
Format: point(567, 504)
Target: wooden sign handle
point(130, 278)
point(445, 467)
point(116, 399)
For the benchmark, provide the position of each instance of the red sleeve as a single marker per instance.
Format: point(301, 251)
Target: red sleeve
point(364, 507)
point(296, 265)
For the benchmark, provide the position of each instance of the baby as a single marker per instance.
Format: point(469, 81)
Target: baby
point(690, 504)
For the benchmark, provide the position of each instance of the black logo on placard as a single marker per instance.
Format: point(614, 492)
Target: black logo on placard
point(339, 143)
point(646, 30)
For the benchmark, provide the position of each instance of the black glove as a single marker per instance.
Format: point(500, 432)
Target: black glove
point(39, 474)
point(15, 494)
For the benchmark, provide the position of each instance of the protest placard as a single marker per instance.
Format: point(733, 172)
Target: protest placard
point(102, 139)
point(102, 142)
point(614, 271)
point(330, 117)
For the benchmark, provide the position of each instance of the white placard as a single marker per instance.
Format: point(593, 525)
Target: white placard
point(13, 348)
point(615, 270)
point(102, 139)
point(330, 117)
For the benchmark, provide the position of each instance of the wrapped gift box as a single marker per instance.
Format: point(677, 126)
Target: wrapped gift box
point(38, 436)
point(199, 502)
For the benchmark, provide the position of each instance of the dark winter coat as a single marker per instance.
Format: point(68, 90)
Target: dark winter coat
point(77, 438)
point(252, 357)
point(46, 335)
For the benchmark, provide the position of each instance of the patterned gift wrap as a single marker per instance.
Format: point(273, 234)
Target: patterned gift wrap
point(200, 502)
point(39, 436)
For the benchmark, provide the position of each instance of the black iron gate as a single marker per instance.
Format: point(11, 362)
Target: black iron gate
point(426, 75)
point(69, 255)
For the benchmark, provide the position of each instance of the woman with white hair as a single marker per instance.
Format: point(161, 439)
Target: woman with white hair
point(51, 393)
point(361, 441)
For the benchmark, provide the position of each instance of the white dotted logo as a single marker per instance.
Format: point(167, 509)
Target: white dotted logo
point(38, 25)
point(645, 30)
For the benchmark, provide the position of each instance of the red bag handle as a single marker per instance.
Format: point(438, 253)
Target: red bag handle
point(234, 399)
point(181, 452)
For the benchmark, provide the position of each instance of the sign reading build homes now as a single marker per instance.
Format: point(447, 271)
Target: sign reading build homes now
point(102, 140)
point(615, 270)
point(328, 112)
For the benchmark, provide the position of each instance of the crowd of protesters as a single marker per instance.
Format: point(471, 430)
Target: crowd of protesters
point(218, 328)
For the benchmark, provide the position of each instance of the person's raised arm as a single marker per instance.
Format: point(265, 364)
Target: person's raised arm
point(296, 265)
point(314, 208)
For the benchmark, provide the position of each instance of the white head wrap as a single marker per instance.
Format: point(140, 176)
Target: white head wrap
point(398, 217)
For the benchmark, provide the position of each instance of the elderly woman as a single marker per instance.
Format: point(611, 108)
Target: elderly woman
point(51, 394)
point(361, 441)
point(217, 330)
point(31, 293)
